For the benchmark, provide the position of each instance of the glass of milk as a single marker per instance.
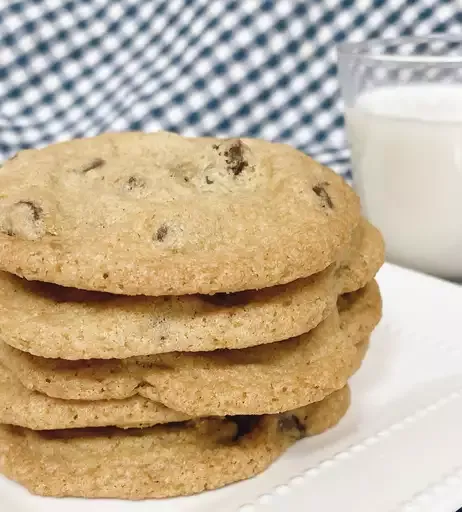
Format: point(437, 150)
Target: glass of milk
point(403, 111)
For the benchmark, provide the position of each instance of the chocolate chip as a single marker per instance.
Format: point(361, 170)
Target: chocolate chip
point(105, 275)
point(24, 219)
point(291, 422)
point(48, 381)
point(208, 180)
point(186, 179)
point(161, 233)
point(235, 158)
point(76, 416)
point(245, 425)
point(135, 182)
point(89, 166)
point(321, 192)
point(36, 211)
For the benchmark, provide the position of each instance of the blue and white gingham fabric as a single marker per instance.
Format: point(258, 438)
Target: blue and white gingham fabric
point(251, 67)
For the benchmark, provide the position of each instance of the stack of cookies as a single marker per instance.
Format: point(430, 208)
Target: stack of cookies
point(174, 312)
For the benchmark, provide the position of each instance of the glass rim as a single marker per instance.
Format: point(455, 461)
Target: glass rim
point(363, 49)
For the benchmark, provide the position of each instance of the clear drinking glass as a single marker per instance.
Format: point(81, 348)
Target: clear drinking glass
point(403, 111)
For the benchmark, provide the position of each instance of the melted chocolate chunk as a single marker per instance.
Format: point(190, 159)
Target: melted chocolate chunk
point(235, 158)
point(161, 233)
point(321, 192)
point(92, 164)
point(291, 422)
point(35, 210)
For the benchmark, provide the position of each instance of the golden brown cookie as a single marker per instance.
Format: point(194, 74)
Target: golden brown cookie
point(364, 257)
point(265, 379)
point(30, 409)
point(167, 460)
point(160, 214)
point(75, 324)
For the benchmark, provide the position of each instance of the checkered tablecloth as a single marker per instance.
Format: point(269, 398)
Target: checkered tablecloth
point(251, 67)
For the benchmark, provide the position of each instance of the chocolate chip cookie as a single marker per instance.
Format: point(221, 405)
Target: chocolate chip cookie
point(160, 214)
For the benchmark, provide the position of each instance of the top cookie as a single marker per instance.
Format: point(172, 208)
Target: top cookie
point(160, 214)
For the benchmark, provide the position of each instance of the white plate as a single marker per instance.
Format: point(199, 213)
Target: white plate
point(399, 448)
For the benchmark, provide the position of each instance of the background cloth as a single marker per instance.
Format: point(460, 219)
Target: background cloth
point(251, 67)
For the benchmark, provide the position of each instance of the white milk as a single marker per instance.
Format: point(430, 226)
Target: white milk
point(407, 167)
